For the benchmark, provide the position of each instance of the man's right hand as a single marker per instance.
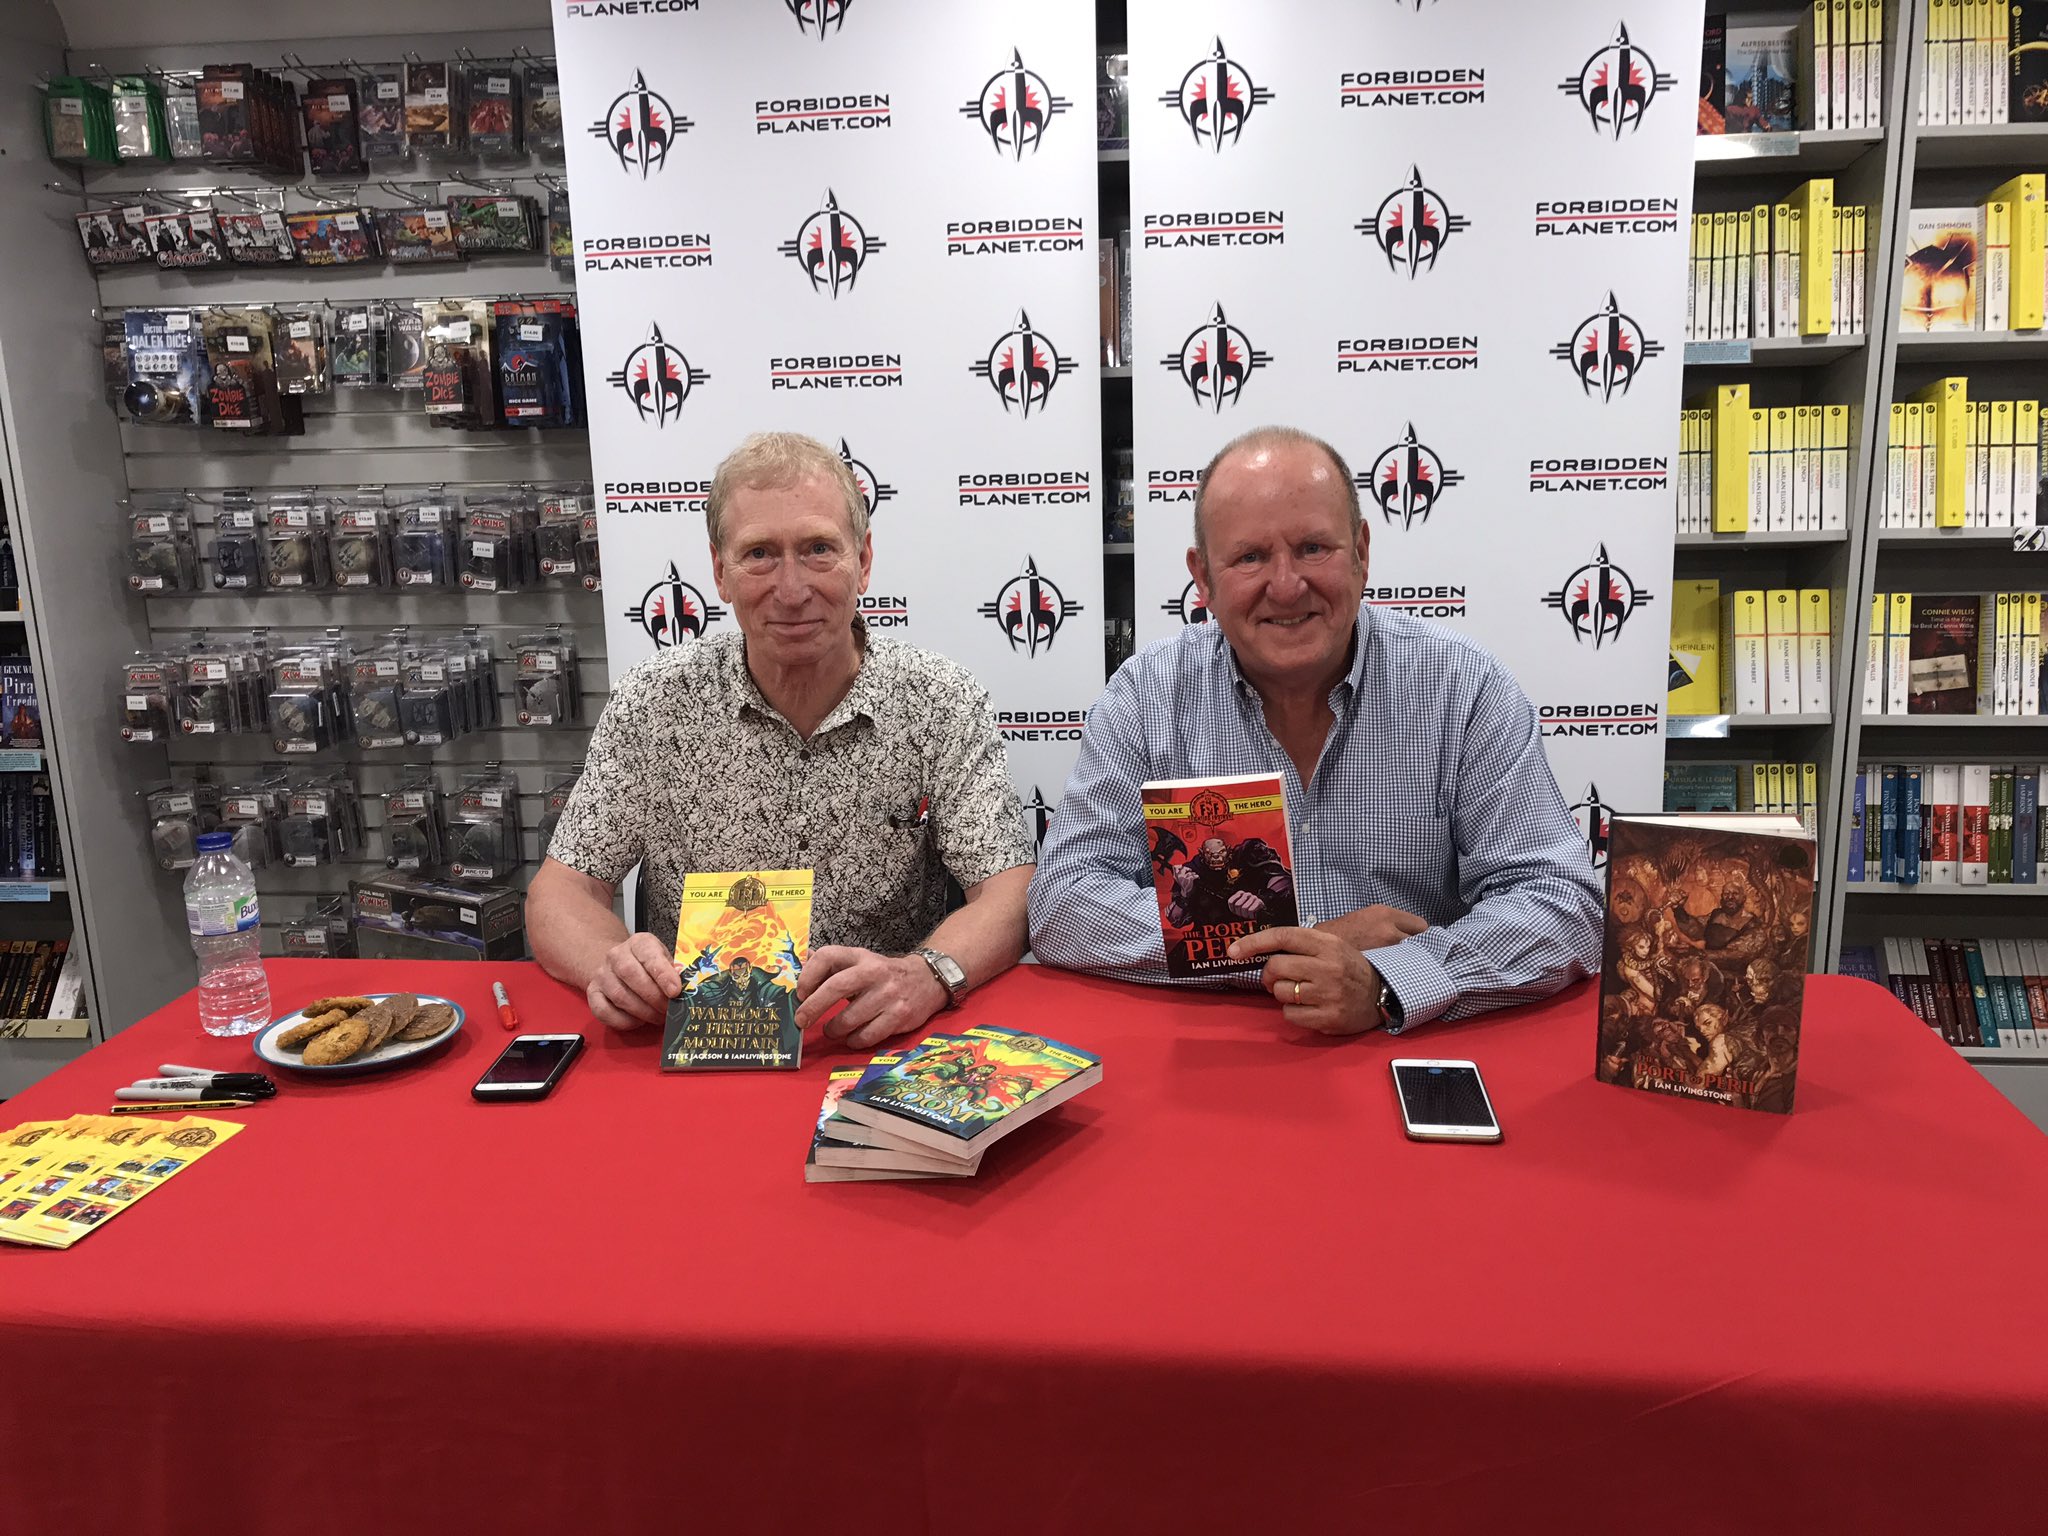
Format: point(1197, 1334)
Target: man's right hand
point(1375, 927)
point(635, 985)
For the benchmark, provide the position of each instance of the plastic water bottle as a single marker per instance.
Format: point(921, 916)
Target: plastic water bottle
point(221, 913)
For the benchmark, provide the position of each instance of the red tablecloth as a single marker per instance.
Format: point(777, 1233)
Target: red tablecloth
point(1219, 1291)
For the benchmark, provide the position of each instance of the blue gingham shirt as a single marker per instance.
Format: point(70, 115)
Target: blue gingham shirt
point(1432, 794)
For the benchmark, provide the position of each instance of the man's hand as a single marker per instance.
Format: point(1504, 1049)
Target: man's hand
point(634, 987)
point(884, 995)
point(1374, 927)
point(1320, 981)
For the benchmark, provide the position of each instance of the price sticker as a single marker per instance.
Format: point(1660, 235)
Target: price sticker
point(136, 701)
point(387, 90)
point(545, 661)
point(433, 672)
point(387, 667)
point(434, 97)
point(178, 320)
point(500, 85)
point(430, 516)
point(492, 799)
point(237, 343)
point(177, 803)
point(435, 218)
point(483, 549)
point(337, 103)
point(70, 106)
point(508, 208)
point(209, 671)
point(301, 329)
point(154, 524)
point(347, 221)
point(532, 332)
point(316, 805)
point(245, 807)
point(232, 90)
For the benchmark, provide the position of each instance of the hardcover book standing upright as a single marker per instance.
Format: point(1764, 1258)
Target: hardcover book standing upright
point(740, 946)
point(1704, 964)
point(1221, 867)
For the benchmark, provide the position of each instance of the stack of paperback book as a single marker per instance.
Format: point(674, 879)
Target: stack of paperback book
point(1945, 824)
point(1976, 992)
point(1978, 268)
point(1763, 651)
point(1796, 268)
point(1977, 66)
point(1744, 466)
point(1953, 654)
point(930, 1110)
point(1824, 71)
point(1954, 462)
point(1775, 789)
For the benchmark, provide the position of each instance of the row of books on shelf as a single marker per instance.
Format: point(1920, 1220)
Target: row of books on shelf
point(1953, 462)
point(1953, 654)
point(1777, 469)
point(1981, 268)
point(1796, 268)
point(32, 980)
point(29, 845)
point(1945, 824)
point(1824, 71)
point(1758, 651)
point(1787, 789)
point(1976, 992)
point(1982, 62)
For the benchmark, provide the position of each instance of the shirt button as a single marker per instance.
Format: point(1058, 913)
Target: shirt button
point(803, 755)
point(802, 843)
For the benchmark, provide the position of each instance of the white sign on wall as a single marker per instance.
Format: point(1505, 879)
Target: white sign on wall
point(1449, 238)
point(875, 224)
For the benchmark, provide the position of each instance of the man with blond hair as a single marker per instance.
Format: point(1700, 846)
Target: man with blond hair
point(1436, 870)
point(801, 742)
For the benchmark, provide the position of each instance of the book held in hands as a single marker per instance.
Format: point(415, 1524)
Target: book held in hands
point(740, 946)
point(1703, 968)
point(1221, 867)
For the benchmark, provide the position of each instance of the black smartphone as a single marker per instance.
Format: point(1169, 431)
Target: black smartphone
point(528, 1070)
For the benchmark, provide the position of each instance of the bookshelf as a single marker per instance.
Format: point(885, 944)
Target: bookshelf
point(1936, 167)
point(1732, 172)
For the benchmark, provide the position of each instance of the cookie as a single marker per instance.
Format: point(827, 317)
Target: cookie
point(397, 1011)
point(291, 1039)
point(427, 1022)
point(345, 1005)
point(337, 1044)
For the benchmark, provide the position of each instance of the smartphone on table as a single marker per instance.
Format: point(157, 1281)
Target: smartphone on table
point(528, 1069)
point(1444, 1101)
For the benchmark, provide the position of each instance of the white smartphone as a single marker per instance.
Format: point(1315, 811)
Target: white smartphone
point(1444, 1101)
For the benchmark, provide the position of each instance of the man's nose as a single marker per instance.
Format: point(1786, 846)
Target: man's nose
point(1286, 580)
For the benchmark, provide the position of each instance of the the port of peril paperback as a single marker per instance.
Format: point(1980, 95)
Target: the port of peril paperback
point(740, 946)
point(1220, 867)
point(1704, 964)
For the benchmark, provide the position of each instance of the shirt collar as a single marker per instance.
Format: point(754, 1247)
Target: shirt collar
point(865, 697)
point(1346, 687)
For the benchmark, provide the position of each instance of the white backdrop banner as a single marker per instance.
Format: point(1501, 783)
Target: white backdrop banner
point(1448, 237)
point(876, 224)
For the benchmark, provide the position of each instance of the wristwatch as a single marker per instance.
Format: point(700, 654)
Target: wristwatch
point(1392, 1019)
point(947, 969)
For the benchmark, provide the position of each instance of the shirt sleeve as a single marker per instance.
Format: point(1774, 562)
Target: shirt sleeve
point(1092, 906)
point(602, 829)
point(1532, 925)
point(977, 819)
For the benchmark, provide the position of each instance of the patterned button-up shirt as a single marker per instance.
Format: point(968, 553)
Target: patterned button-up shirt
point(690, 769)
point(1432, 794)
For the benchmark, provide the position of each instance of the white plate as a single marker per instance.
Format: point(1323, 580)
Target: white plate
point(392, 1053)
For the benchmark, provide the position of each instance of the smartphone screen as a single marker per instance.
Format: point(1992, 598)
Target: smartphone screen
point(1443, 1095)
point(529, 1061)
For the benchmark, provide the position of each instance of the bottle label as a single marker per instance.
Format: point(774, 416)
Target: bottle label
point(213, 919)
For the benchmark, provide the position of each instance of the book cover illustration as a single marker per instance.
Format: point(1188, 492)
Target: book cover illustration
point(972, 1082)
point(1713, 72)
point(1759, 91)
point(1704, 965)
point(740, 946)
point(1220, 867)
point(2027, 59)
point(1943, 248)
point(1941, 667)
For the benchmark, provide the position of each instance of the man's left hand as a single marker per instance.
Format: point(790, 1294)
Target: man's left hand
point(1319, 980)
point(885, 995)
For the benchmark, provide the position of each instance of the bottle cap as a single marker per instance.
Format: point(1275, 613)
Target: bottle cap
point(216, 842)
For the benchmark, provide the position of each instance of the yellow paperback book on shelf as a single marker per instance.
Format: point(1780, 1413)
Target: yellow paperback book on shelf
point(1695, 683)
point(1727, 415)
point(2028, 196)
point(1949, 403)
point(1814, 202)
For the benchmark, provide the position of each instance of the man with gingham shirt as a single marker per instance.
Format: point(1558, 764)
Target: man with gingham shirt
point(799, 743)
point(1437, 869)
